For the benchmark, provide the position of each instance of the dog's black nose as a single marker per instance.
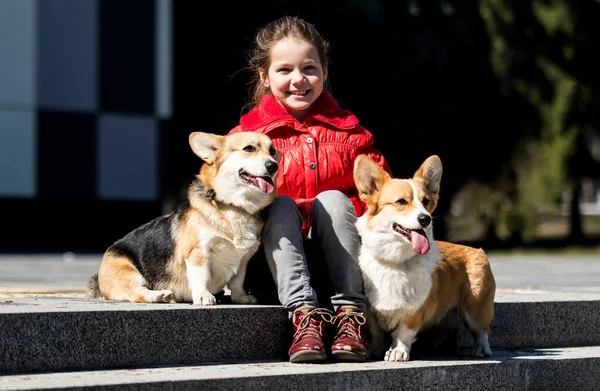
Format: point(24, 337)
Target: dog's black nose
point(271, 167)
point(424, 220)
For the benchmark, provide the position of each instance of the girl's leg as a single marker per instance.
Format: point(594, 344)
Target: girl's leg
point(284, 249)
point(283, 245)
point(334, 227)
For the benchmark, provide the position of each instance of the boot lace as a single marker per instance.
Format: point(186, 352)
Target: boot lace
point(304, 328)
point(349, 324)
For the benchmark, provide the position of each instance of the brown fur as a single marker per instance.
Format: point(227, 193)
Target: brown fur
point(412, 291)
point(463, 279)
point(193, 253)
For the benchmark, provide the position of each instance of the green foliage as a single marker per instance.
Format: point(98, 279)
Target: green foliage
point(532, 47)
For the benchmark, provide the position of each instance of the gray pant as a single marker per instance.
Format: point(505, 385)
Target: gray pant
point(333, 240)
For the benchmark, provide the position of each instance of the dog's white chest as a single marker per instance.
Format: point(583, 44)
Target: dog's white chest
point(237, 234)
point(225, 251)
point(246, 230)
point(229, 249)
point(222, 250)
point(402, 286)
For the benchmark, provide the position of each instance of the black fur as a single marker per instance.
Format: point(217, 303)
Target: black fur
point(93, 290)
point(150, 247)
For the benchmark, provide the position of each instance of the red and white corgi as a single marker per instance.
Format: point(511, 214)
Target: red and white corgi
point(191, 254)
point(411, 280)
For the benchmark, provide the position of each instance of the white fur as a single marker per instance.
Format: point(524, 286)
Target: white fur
point(228, 243)
point(395, 277)
point(225, 264)
point(397, 281)
point(402, 340)
point(215, 236)
point(232, 189)
point(481, 346)
point(199, 278)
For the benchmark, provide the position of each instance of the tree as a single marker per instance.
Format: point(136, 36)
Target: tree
point(541, 49)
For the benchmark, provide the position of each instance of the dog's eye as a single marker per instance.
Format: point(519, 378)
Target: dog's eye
point(249, 148)
point(402, 201)
point(272, 151)
point(425, 201)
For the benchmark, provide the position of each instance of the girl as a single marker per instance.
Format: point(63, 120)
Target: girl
point(317, 204)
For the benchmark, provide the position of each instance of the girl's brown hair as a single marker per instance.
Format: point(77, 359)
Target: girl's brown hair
point(268, 36)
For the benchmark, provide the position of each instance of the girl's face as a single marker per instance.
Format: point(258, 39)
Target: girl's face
point(295, 76)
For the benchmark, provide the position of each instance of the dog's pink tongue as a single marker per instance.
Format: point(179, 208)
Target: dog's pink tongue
point(420, 242)
point(265, 186)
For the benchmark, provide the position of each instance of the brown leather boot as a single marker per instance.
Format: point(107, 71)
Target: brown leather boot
point(308, 345)
point(350, 342)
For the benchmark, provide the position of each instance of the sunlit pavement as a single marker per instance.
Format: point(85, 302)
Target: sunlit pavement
point(67, 274)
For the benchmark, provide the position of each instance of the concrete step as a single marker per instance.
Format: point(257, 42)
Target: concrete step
point(524, 369)
point(62, 333)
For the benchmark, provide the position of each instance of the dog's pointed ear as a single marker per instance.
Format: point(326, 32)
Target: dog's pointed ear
point(369, 177)
point(431, 173)
point(206, 145)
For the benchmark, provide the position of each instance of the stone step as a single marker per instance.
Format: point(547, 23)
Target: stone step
point(56, 334)
point(524, 369)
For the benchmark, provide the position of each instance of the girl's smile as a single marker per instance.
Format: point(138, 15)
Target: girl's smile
point(295, 76)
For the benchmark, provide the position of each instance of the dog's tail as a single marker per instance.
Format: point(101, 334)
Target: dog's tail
point(93, 289)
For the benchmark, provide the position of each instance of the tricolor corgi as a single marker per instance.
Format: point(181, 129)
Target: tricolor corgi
point(411, 280)
point(192, 253)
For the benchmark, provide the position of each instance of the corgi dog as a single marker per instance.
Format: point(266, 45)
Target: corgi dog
point(192, 253)
point(412, 281)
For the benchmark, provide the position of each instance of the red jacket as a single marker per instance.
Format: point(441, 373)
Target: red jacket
point(318, 154)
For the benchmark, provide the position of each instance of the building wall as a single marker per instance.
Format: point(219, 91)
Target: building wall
point(85, 93)
point(85, 104)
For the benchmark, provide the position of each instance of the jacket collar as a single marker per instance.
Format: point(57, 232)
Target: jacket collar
point(325, 109)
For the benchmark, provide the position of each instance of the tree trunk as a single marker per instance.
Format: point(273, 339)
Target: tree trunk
point(575, 221)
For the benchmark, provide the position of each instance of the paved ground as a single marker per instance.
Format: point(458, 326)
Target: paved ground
point(47, 273)
point(67, 274)
point(547, 273)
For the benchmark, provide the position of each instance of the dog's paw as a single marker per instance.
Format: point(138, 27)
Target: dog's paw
point(159, 296)
point(244, 299)
point(480, 350)
point(206, 299)
point(397, 355)
point(165, 296)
